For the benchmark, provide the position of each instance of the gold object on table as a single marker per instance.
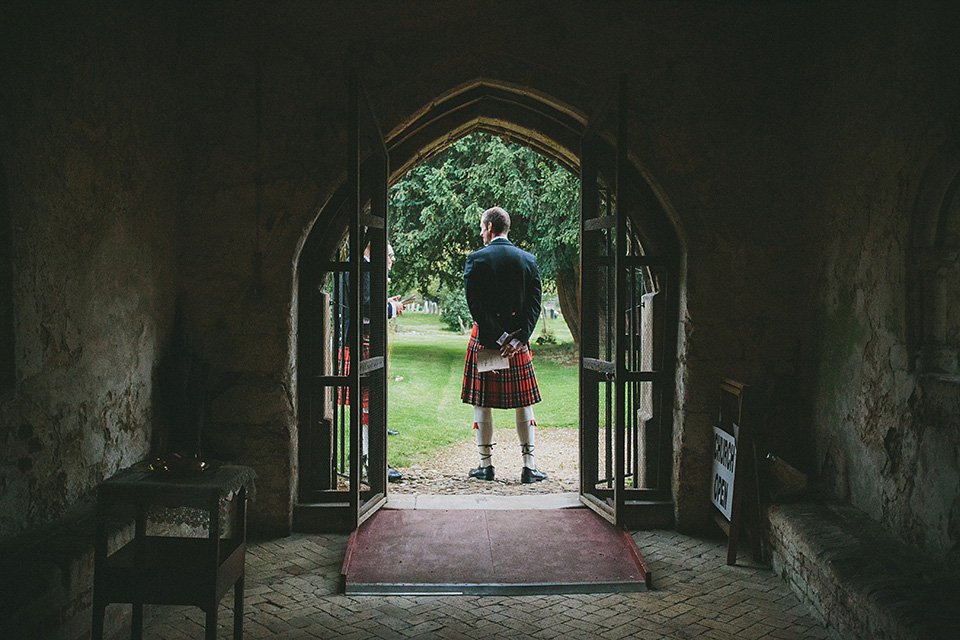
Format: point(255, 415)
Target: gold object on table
point(173, 465)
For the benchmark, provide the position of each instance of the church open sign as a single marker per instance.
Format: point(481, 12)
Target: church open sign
point(724, 467)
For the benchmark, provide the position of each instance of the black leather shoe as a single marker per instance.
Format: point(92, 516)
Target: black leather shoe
point(393, 475)
point(528, 475)
point(482, 473)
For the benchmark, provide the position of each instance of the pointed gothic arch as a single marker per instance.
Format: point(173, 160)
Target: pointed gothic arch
point(546, 126)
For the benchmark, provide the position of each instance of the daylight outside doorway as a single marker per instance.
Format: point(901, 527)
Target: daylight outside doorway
point(432, 226)
point(434, 211)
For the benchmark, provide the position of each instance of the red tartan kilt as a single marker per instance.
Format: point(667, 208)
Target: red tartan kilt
point(343, 367)
point(503, 389)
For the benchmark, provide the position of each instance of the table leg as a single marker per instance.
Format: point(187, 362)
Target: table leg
point(136, 622)
point(211, 630)
point(238, 609)
point(213, 566)
point(99, 559)
point(99, 610)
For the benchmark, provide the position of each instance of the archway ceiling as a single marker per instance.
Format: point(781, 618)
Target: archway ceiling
point(510, 113)
point(548, 127)
point(523, 116)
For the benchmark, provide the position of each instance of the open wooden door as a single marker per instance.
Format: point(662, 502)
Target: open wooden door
point(625, 385)
point(343, 424)
point(368, 380)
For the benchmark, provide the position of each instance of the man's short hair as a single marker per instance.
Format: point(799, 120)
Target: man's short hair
point(499, 218)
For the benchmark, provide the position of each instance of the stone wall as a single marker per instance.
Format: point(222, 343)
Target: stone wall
point(885, 436)
point(716, 97)
point(785, 142)
point(7, 367)
point(161, 153)
point(89, 151)
point(859, 578)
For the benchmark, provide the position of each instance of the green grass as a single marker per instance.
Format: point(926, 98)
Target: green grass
point(426, 373)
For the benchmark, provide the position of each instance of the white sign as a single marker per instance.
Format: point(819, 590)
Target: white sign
point(491, 360)
point(724, 467)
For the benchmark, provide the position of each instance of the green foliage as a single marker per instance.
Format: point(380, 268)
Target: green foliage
point(425, 376)
point(435, 211)
point(454, 311)
point(546, 337)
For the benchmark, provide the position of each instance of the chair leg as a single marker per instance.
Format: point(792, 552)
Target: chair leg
point(238, 609)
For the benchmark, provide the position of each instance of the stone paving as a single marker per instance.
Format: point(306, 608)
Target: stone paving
point(293, 594)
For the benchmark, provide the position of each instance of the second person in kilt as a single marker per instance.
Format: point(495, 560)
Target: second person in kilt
point(502, 285)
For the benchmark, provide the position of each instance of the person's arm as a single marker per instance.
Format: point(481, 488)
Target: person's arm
point(395, 307)
point(531, 304)
point(476, 280)
point(529, 311)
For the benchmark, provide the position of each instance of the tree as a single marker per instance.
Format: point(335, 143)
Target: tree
point(435, 217)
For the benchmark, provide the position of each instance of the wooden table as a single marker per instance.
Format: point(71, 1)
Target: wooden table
point(173, 570)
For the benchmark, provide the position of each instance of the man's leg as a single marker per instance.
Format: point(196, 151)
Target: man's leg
point(364, 443)
point(525, 429)
point(483, 425)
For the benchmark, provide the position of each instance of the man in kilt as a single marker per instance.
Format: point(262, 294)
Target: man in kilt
point(502, 285)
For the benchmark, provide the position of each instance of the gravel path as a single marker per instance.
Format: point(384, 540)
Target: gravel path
point(445, 473)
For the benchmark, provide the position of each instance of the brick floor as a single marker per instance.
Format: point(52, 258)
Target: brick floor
point(292, 594)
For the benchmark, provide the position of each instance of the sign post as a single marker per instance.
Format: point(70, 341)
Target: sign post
point(724, 471)
point(729, 436)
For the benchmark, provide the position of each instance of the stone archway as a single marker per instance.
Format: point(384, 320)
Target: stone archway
point(932, 267)
point(520, 115)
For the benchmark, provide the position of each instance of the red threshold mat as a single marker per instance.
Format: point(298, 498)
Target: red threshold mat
point(505, 552)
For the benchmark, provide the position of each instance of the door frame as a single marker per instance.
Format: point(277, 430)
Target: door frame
point(328, 387)
point(626, 375)
point(556, 131)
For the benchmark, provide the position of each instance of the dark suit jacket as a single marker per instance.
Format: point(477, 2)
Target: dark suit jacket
point(503, 291)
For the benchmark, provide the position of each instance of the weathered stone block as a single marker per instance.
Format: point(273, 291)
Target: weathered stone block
point(861, 580)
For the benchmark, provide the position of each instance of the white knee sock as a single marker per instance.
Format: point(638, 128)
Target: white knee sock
point(364, 442)
point(483, 424)
point(525, 426)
